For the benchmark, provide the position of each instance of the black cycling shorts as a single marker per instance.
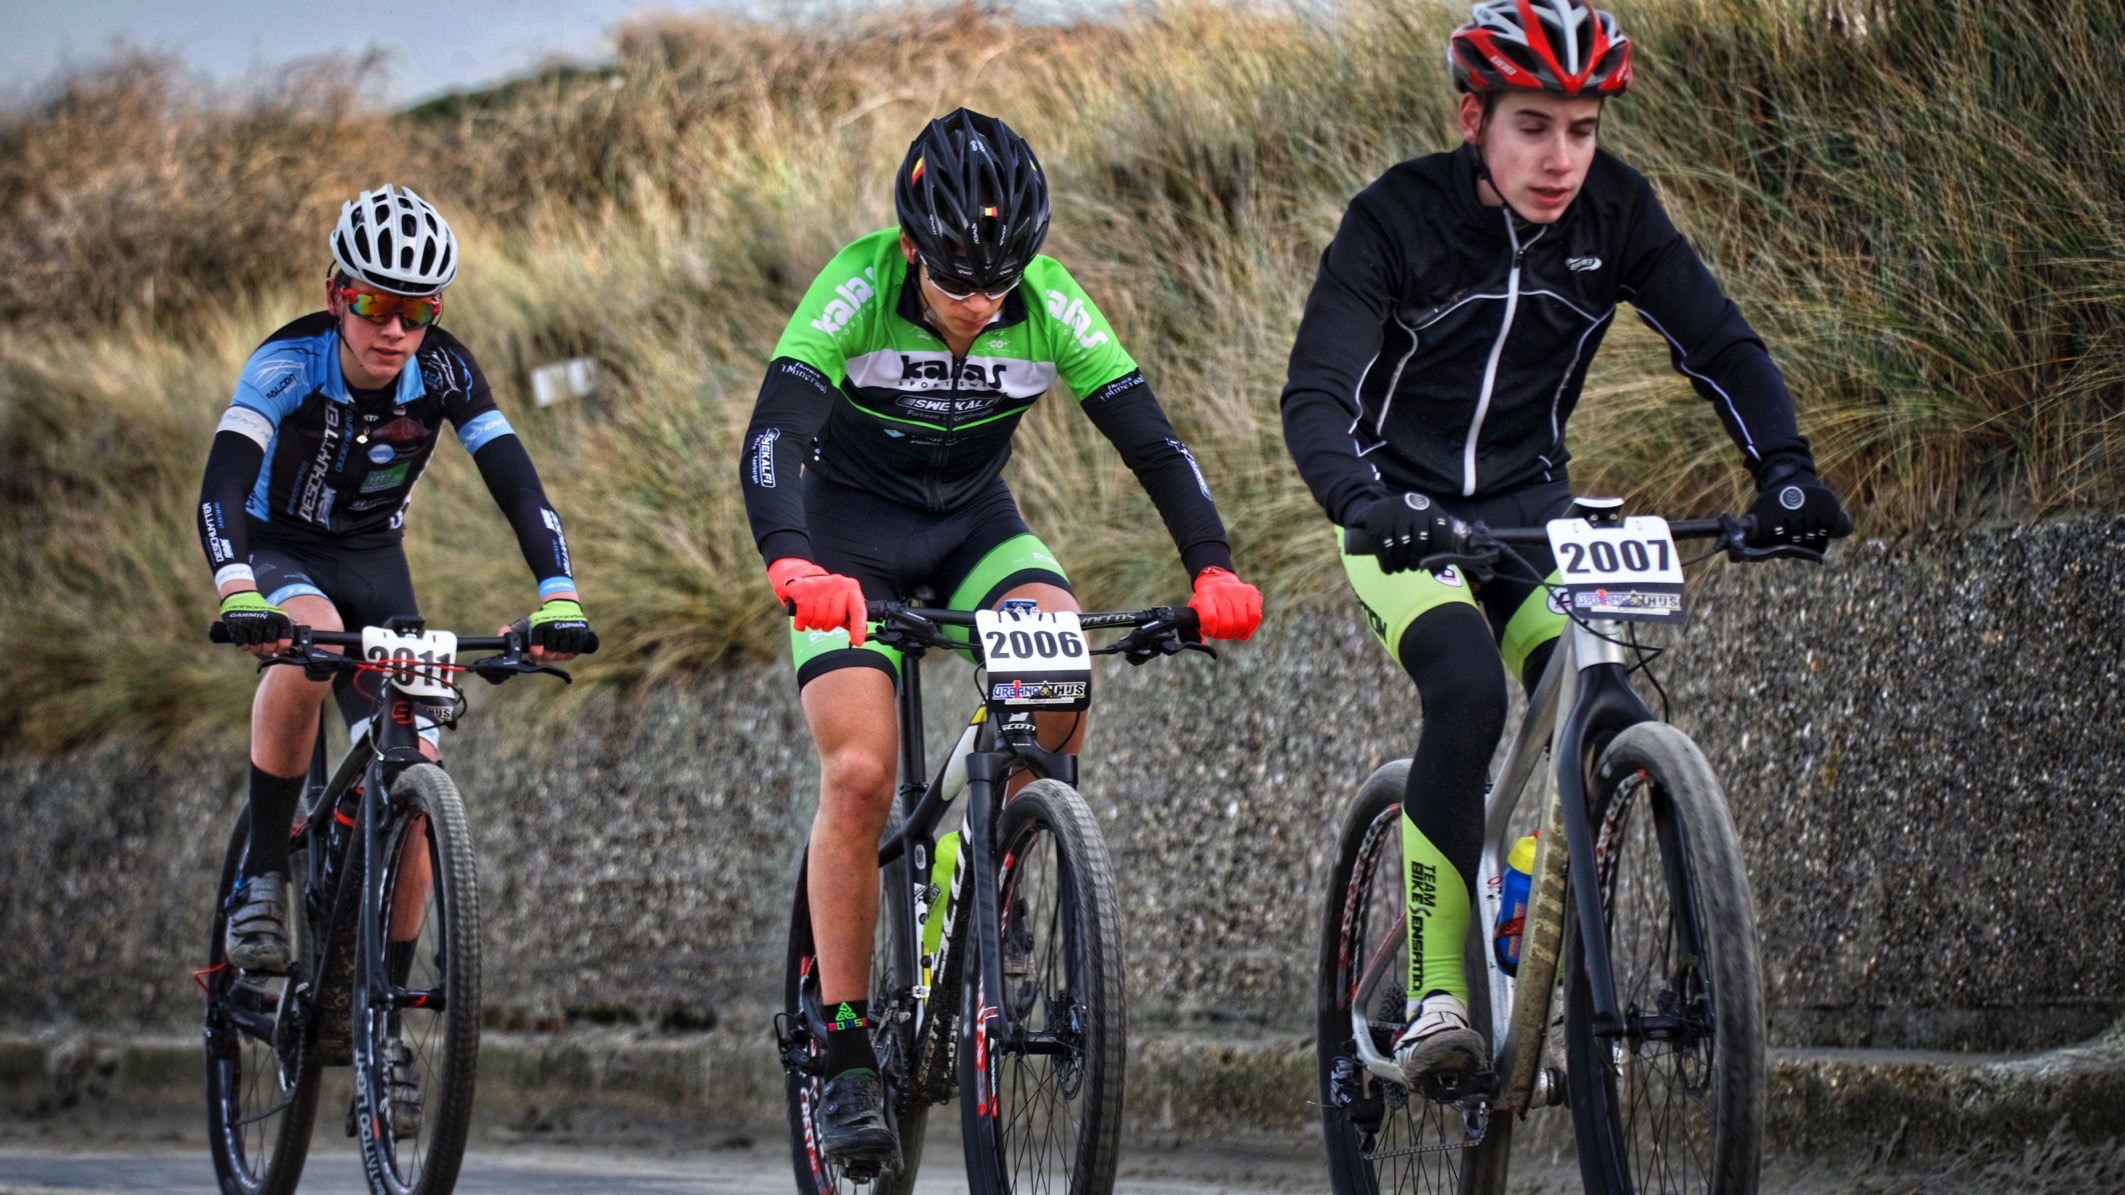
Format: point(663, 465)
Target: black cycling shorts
point(966, 559)
point(366, 585)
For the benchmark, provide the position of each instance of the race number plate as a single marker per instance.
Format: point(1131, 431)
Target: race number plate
point(1035, 660)
point(1629, 572)
point(416, 659)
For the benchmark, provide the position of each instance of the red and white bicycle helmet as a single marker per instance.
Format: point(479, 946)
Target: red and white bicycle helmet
point(1560, 46)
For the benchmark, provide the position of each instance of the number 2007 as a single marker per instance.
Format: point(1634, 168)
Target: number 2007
point(1033, 645)
point(1603, 556)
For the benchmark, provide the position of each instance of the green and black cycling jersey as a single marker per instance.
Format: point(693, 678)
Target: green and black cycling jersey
point(862, 391)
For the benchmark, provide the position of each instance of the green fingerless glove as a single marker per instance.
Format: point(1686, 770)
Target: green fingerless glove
point(251, 619)
point(559, 626)
point(557, 610)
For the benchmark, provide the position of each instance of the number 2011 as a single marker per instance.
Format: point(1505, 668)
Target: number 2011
point(1603, 556)
point(1033, 645)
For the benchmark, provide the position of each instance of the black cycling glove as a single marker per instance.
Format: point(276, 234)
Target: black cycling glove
point(252, 620)
point(559, 626)
point(1793, 506)
point(1405, 529)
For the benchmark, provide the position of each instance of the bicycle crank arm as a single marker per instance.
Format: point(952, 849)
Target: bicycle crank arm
point(1381, 1066)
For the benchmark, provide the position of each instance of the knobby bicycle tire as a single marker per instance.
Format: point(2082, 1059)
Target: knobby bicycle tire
point(1676, 1104)
point(1412, 1149)
point(256, 1151)
point(891, 1037)
point(1051, 1121)
point(445, 1044)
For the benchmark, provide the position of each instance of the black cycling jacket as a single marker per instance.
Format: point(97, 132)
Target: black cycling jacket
point(1445, 342)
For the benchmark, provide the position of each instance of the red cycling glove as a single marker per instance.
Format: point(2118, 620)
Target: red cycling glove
point(1228, 607)
point(817, 599)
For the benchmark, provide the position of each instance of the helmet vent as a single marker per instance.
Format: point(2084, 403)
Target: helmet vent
point(393, 239)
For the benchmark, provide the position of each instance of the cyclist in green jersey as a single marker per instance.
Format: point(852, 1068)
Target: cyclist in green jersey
point(894, 392)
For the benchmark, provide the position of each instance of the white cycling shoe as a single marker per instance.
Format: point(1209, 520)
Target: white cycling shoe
point(1439, 1042)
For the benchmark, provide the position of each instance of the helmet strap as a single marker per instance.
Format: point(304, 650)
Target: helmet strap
point(1483, 176)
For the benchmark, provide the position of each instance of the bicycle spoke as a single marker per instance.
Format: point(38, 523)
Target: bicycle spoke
point(1418, 1145)
point(1669, 1107)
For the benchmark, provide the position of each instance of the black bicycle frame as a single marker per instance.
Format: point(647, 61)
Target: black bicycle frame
point(923, 806)
point(1605, 706)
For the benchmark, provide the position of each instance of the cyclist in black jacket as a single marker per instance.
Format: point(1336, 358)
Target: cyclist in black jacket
point(1442, 350)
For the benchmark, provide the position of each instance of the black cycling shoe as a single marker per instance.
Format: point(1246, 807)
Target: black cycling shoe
point(853, 1132)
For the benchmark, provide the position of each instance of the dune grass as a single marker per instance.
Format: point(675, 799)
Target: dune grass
point(1919, 206)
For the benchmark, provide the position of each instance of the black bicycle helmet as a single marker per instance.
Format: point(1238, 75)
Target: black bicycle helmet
point(971, 196)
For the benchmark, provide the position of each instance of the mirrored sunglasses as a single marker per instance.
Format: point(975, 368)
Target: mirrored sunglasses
point(959, 290)
point(378, 306)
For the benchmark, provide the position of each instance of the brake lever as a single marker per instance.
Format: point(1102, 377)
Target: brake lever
point(1467, 560)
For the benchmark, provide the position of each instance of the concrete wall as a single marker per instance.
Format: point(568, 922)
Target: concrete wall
point(1923, 744)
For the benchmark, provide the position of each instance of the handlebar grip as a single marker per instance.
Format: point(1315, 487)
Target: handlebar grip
point(218, 633)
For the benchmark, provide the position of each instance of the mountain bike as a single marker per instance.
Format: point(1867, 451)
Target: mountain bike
point(1638, 887)
point(997, 974)
point(386, 971)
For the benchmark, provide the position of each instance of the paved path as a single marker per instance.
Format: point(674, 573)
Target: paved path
point(500, 1169)
point(58, 1166)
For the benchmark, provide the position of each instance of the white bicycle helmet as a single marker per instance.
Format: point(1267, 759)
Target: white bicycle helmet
point(394, 240)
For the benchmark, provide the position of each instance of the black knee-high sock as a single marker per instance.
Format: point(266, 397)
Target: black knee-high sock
point(1448, 651)
point(273, 800)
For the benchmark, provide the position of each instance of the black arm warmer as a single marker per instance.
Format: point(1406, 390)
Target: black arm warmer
point(1126, 413)
point(793, 405)
point(510, 477)
point(232, 469)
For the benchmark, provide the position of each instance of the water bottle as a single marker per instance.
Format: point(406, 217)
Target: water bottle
point(1512, 904)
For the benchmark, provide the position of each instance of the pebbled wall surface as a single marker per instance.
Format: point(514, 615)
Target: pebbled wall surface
point(1924, 745)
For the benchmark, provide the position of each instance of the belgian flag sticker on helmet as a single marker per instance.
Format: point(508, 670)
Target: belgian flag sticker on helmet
point(988, 211)
point(915, 175)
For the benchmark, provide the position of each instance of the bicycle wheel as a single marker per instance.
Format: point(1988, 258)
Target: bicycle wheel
point(1381, 1136)
point(1041, 1103)
point(261, 1091)
point(426, 998)
point(1676, 1103)
point(804, 1037)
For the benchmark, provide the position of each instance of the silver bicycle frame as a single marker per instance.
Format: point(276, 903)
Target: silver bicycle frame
point(1520, 1027)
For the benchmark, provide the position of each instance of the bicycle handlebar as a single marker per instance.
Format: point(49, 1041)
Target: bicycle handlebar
point(220, 634)
point(494, 669)
point(1476, 544)
point(1183, 617)
point(1159, 631)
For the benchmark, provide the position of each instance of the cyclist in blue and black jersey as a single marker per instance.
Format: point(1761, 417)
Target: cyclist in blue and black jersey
point(307, 483)
point(1441, 353)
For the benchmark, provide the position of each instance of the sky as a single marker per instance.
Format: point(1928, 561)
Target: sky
point(434, 46)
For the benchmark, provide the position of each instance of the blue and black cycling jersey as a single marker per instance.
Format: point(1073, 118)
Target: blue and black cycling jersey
point(310, 461)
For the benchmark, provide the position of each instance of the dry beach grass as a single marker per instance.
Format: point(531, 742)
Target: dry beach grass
point(1920, 206)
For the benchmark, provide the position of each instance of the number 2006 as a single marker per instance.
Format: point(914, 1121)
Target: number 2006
point(1602, 554)
point(1033, 645)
